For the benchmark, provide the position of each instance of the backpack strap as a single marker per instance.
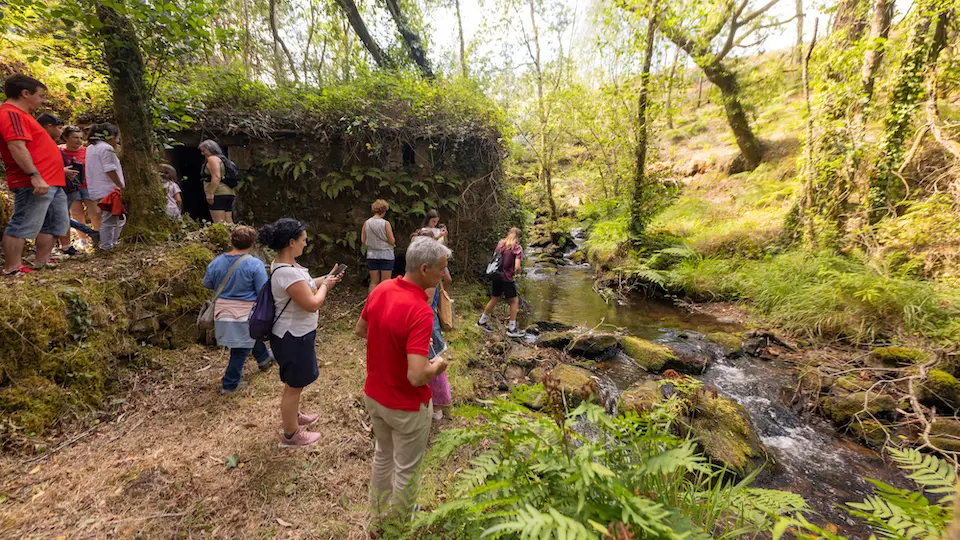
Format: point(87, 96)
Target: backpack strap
point(226, 278)
point(277, 318)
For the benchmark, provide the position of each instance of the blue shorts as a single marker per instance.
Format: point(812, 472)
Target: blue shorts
point(296, 357)
point(82, 193)
point(383, 265)
point(36, 214)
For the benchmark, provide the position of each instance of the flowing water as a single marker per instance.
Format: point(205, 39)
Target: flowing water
point(810, 458)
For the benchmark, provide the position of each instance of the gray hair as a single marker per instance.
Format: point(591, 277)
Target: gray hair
point(425, 250)
point(211, 146)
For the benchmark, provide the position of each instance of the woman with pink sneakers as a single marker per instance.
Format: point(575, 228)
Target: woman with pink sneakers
point(297, 299)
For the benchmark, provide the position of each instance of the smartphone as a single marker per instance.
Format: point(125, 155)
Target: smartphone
point(341, 270)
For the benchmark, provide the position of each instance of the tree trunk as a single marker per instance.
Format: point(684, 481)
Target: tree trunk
point(144, 195)
point(798, 48)
point(886, 186)
point(277, 41)
point(545, 171)
point(751, 151)
point(933, 114)
point(411, 41)
point(699, 89)
point(639, 213)
point(849, 18)
point(349, 8)
point(879, 30)
point(463, 47)
point(306, 48)
point(673, 73)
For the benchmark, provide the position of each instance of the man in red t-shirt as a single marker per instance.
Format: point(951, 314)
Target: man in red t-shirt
point(397, 322)
point(34, 175)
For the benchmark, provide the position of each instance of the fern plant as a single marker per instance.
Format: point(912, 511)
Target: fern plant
point(583, 474)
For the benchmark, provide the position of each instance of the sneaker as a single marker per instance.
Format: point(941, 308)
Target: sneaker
point(485, 327)
point(22, 271)
point(516, 333)
point(266, 363)
point(227, 391)
point(302, 438)
point(306, 419)
point(438, 414)
point(71, 252)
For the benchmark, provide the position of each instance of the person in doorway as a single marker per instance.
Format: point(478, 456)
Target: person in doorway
point(377, 235)
point(298, 298)
point(81, 205)
point(504, 285)
point(397, 323)
point(35, 175)
point(233, 306)
point(220, 196)
point(172, 189)
point(105, 176)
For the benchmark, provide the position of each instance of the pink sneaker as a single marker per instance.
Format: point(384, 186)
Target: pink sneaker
point(306, 419)
point(302, 438)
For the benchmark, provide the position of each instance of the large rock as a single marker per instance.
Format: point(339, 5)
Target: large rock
point(899, 356)
point(647, 354)
point(940, 389)
point(523, 356)
point(592, 345)
point(731, 344)
point(576, 383)
point(692, 353)
point(554, 340)
point(841, 407)
point(724, 429)
point(945, 434)
point(641, 397)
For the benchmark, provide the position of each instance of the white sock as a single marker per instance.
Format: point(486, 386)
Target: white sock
point(513, 326)
point(483, 318)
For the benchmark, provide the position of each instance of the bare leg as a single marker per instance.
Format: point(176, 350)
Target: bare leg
point(76, 212)
point(374, 280)
point(490, 305)
point(217, 216)
point(44, 247)
point(386, 275)
point(12, 252)
point(514, 306)
point(94, 211)
point(229, 217)
point(289, 407)
point(64, 241)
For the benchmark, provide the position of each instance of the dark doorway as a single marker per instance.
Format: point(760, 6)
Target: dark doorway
point(409, 155)
point(188, 160)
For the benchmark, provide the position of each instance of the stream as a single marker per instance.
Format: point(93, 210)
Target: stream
point(810, 457)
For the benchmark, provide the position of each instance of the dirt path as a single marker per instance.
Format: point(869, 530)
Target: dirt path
point(159, 470)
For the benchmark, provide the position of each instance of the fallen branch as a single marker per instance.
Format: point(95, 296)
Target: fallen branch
point(70, 442)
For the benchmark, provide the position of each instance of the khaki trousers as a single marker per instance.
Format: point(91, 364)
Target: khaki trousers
point(401, 442)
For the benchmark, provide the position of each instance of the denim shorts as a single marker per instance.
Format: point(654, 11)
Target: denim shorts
point(82, 193)
point(383, 265)
point(35, 214)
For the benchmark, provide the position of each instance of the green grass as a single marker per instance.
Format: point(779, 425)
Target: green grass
point(825, 295)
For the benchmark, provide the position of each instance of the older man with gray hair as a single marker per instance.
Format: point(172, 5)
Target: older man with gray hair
point(397, 323)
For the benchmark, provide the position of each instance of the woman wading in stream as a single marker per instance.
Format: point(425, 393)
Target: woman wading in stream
point(297, 299)
point(504, 284)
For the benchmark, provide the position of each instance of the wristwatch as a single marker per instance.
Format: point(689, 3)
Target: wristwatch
point(34, 173)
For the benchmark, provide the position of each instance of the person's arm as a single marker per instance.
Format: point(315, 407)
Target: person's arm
point(260, 274)
point(70, 173)
point(447, 278)
point(516, 263)
point(363, 233)
point(208, 278)
point(310, 301)
point(213, 167)
point(361, 329)
point(420, 370)
point(115, 178)
point(390, 237)
point(18, 149)
point(179, 200)
point(328, 278)
point(110, 164)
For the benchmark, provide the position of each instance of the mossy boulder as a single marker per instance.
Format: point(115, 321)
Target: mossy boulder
point(641, 397)
point(554, 340)
point(537, 374)
point(576, 383)
point(899, 356)
point(690, 356)
point(940, 389)
point(730, 343)
point(593, 344)
point(523, 356)
point(647, 354)
point(871, 432)
point(852, 384)
point(945, 434)
point(841, 407)
point(724, 429)
point(218, 235)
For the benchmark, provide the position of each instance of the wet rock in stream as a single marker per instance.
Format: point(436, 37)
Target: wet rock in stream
point(647, 354)
point(574, 382)
point(592, 345)
point(724, 429)
point(639, 398)
point(692, 352)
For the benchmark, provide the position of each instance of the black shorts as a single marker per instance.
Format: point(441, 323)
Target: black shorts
point(223, 203)
point(296, 357)
point(505, 289)
point(381, 265)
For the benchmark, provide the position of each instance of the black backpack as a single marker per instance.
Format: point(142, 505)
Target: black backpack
point(230, 174)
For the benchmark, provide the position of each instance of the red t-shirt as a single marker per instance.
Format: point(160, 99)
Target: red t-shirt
point(80, 156)
point(17, 125)
point(399, 322)
point(509, 260)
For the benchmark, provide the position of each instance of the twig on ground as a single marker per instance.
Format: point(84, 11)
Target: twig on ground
point(70, 442)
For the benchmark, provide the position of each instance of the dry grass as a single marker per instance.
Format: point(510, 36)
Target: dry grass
point(158, 469)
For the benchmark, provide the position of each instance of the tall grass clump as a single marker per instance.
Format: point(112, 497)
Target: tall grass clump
point(825, 295)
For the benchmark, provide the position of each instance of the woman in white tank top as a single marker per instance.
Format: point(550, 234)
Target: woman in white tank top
point(377, 236)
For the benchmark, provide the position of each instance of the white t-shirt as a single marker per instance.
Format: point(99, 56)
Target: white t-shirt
point(101, 159)
point(172, 189)
point(293, 319)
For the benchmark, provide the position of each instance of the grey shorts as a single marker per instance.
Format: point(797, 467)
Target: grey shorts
point(36, 214)
point(82, 193)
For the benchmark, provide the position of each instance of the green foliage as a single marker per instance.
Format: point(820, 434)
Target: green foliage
point(544, 477)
